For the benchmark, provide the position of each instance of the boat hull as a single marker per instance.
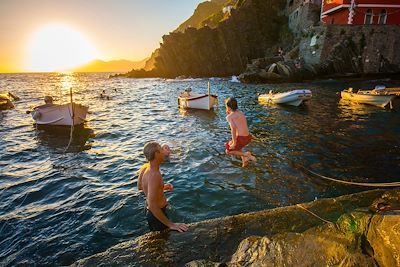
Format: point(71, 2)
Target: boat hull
point(60, 114)
point(205, 102)
point(375, 100)
point(293, 98)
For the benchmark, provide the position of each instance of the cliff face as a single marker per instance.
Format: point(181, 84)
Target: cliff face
point(250, 29)
point(333, 50)
point(203, 11)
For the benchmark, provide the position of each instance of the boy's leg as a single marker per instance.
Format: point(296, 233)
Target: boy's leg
point(240, 154)
point(250, 156)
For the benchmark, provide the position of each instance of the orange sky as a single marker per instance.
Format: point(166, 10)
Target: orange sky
point(102, 29)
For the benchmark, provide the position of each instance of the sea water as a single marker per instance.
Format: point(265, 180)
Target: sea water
point(59, 206)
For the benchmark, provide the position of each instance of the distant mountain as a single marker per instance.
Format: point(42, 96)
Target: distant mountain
point(110, 66)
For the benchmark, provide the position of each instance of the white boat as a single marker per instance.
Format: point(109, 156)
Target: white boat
point(370, 97)
point(188, 99)
point(294, 98)
point(65, 114)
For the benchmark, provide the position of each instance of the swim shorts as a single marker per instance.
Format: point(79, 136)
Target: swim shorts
point(241, 142)
point(154, 223)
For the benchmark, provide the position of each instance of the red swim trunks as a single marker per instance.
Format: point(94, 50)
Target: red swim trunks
point(241, 142)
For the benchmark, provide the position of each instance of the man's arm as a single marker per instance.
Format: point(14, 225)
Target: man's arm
point(140, 178)
point(155, 191)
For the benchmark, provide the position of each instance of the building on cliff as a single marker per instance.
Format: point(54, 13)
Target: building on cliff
point(358, 12)
point(303, 14)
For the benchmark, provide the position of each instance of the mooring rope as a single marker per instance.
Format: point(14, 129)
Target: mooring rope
point(73, 122)
point(389, 184)
point(392, 184)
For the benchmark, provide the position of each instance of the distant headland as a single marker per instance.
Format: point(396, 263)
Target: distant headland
point(110, 66)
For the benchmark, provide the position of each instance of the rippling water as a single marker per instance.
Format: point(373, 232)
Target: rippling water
point(57, 207)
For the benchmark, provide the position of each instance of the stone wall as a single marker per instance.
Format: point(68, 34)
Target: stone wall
point(303, 17)
point(367, 49)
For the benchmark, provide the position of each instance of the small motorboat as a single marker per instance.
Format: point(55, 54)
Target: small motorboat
point(293, 98)
point(376, 97)
point(188, 99)
point(62, 115)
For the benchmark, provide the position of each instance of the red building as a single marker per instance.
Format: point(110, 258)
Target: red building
point(359, 12)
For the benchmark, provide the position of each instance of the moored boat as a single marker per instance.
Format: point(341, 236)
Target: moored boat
point(373, 97)
point(293, 98)
point(65, 114)
point(188, 99)
point(59, 115)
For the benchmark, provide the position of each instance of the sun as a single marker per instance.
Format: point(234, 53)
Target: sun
point(58, 47)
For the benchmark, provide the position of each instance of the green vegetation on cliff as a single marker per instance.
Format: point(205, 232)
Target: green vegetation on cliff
point(202, 13)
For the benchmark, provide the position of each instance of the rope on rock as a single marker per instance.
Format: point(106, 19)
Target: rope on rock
point(312, 213)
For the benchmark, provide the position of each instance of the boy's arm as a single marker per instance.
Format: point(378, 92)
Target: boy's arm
point(233, 131)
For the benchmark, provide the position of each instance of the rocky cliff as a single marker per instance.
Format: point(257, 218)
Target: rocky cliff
point(332, 50)
point(223, 43)
point(356, 230)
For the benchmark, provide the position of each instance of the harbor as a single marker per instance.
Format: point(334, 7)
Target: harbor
point(61, 206)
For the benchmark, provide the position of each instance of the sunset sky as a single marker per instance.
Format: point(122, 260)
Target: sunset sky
point(34, 33)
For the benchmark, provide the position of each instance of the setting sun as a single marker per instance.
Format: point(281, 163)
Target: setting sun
point(57, 48)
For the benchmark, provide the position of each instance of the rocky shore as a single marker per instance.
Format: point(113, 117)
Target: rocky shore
point(361, 229)
point(332, 51)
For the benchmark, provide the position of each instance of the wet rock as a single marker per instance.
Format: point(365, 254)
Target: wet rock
point(357, 239)
point(384, 239)
point(204, 263)
point(284, 233)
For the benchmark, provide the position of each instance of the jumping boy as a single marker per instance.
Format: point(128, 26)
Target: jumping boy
point(239, 130)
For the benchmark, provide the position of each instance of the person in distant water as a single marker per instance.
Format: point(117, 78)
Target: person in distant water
point(153, 186)
point(240, 132)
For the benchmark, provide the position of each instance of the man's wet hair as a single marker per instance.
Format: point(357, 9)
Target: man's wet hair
point(150, 150)
point(231, 103)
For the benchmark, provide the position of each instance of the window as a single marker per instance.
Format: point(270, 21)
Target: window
point(368, 17)
point(382, 17)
